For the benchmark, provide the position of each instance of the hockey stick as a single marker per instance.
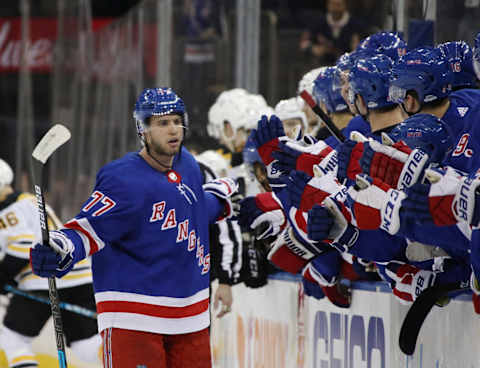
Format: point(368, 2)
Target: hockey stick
point(50, 142)
point(326, 119)
point(418, 312)
point(64, 305)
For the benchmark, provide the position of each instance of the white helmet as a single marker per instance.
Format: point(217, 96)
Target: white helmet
point(255, 114)
point(214, 161)
point(291, 109)
point(237, 107)
point(6, 174)
point(306, 83)
point(232, 94)
point(225, 108)
point(258, 100)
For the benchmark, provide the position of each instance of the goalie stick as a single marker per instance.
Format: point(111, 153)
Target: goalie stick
point(326, 119)
point(418, 312)
point(64, 305)
point(50, 142)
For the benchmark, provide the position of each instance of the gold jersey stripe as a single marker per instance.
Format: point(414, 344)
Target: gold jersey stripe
point(19, 249)
point(26, 196)
point(23, 358)
point(21, 236)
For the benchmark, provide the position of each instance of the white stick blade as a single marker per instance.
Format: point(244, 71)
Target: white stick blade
point(50, 142)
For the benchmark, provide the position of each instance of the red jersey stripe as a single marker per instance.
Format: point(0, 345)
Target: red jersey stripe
point(152, 310)
point(74, 225)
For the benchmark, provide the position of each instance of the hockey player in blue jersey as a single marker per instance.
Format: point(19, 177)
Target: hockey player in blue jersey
point(331, 100)
point(422, 82)
point(146, 228)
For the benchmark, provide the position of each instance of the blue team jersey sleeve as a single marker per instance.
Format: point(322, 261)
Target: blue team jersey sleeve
point(379, 246)
point(214, 207)
point(109, 213)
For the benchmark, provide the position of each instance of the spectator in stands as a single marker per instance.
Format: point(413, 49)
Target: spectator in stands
point(202, 28)
point(334, 34)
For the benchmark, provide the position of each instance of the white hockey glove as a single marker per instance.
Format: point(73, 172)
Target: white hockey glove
point(225, 189)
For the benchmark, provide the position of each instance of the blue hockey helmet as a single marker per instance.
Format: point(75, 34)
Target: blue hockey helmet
point(157, 102)
point(369, 78)
point(348, 59)
point(324, 92)
point(344, 64)
point(426, 132)
point(423, 70)
point(476, 56)
point(459, 56)
point(386, 43)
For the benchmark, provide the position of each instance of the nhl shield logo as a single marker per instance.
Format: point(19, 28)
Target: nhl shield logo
point(173, 177)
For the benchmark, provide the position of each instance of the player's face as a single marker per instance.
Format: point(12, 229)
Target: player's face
point(261, 175)
point(313, 121)
point(165, 134)
point(289, 126)
point(345, 87)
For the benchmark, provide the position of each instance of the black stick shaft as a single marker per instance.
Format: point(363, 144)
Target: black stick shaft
point(326, 119)
point(52, 285)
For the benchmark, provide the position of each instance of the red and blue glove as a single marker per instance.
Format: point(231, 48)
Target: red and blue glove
point(55, 260)
point(304, 192)
point(266, 138)
point(450, 197)
point(349, 154)
point(331, 223)
point(408, 281)
point(375, 205)
point(263, 214)
point(294, 156)
point(291, 253)
point(323, 270)
point(395, 164)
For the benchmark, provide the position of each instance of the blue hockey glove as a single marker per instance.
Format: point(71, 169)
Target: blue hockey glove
point(266, 139)
point(331, 223)
point(54, 260)
point(348, 155)
point(263, 214)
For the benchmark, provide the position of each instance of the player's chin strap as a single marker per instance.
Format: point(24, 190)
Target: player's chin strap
point(364, 116)
point(142, 138)
point(154, 159)
point(402, 104)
